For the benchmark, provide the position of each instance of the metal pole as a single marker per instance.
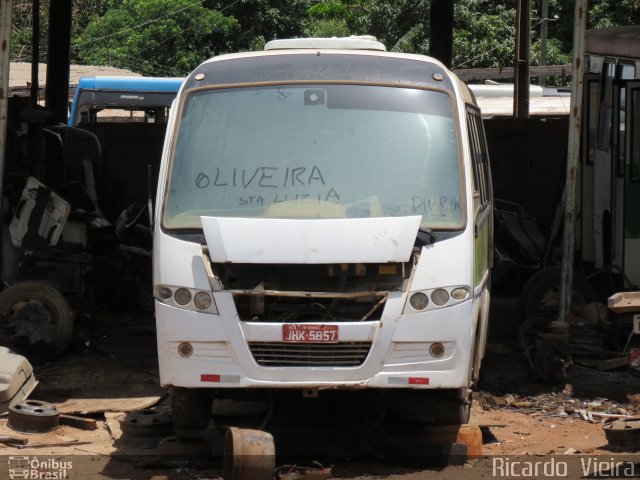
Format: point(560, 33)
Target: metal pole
point(544, 32)
point(441, 26)
point(58, 59)
point(573, 157)
point(35, 51)
point(5, 34)
point(523, 51)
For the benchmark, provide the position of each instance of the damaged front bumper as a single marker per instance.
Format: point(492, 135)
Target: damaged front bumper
point(391, 352)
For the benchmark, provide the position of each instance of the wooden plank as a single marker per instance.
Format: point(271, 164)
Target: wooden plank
point(78, 422)
point(624, 302)
point(111, 398)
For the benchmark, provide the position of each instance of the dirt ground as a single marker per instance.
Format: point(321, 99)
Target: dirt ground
point(519, 418)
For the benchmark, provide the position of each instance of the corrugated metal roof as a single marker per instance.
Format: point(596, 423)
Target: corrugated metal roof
point(621, 42)
point(20, 73)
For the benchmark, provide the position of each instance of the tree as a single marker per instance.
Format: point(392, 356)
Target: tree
point(170, 37)
point(153, 37)
point(391, 22)
point(484, 34)
point(259, 21)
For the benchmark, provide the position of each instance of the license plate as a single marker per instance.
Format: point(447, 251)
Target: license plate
point(309, 333)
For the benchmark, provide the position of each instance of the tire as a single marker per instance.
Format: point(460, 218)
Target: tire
point(35, 320)
point(541, 294)
point(435, 407)
point(191, 411)
point(453, 407)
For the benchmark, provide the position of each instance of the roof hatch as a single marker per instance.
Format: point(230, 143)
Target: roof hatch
point(364, 42)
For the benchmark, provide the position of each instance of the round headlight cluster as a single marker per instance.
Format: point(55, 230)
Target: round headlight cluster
point(438, 297)
point(188, 298)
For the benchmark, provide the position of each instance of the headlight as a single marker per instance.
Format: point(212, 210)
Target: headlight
point(202, 300)
point(182, 296)
point(440, 297)
point(460, 293)
point(164, 293)
point(419, 301)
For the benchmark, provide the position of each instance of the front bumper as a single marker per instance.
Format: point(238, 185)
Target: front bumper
point(399, 350)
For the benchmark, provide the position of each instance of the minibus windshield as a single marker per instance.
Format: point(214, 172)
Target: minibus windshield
point(315, 151)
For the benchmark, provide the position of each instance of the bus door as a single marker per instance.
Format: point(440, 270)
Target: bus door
point(632, 184)
point(584, 227)
point(602, 171)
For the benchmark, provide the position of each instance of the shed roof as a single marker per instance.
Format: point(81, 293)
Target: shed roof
point(20, 73)
point(620, 42)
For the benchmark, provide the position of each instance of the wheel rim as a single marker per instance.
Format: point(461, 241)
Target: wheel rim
point(32, 320)
point(550, 302)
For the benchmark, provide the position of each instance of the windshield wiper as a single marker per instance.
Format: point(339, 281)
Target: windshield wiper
point(425, 236)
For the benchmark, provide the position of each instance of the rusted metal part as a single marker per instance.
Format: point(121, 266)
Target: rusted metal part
point(292, 294)
point(33, 416)
point(248, 455)
point(9, 440)
point(144, 429)
point(214, 280)
point(374, 308)
point(623, 434)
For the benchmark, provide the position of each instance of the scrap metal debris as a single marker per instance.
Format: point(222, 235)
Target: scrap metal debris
point(296, 472)
point(33, 416)
point(144, 429)
point(623, 434)
point(557, 405)
point(13, 441)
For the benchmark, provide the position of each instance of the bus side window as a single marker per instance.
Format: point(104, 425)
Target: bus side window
point(479, 157)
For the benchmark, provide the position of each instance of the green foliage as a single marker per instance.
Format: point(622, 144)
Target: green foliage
point(170, 37)
point(154, 37)
point(484, 34)
point(258, 21)
point(327, 28)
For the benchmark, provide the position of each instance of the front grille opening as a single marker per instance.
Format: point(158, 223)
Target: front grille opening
point(277, 354)
point(266, 308)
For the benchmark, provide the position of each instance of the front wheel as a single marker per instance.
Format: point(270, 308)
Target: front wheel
point(433, 407)
point(453, 407)
point(191, 411)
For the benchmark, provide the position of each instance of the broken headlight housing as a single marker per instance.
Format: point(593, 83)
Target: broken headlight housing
point(186, 298)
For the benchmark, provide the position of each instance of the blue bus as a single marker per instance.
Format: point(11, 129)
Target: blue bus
point(152, 96)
